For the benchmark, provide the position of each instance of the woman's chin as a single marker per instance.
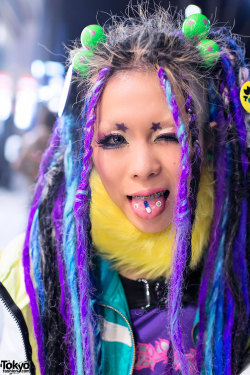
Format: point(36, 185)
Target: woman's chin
point(157, 224)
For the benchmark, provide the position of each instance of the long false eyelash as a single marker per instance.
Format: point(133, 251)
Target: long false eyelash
point(168, 137)
point(105, 141)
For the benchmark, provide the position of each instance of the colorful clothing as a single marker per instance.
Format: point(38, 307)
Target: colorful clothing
point(125, 335)
point(154, 353)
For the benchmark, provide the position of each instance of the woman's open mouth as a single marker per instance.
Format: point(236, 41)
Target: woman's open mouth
point(149, 206)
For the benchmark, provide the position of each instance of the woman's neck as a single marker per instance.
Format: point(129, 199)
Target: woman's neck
point(132, 275)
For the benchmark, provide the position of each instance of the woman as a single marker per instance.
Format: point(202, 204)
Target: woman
point(136, 254)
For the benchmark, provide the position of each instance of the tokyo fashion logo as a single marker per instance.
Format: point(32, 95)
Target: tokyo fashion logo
point(13, 367)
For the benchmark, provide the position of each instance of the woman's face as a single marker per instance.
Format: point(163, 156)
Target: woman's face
point(135, 149)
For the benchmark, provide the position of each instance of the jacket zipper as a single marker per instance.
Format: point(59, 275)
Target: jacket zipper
point(18, 318)
point(131, 333)
point(17, 323)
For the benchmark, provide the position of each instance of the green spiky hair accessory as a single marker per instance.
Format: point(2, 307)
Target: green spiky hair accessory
point(91, 37)
point(196, 28)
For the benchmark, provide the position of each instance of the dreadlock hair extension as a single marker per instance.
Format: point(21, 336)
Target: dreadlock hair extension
point(241, 269)
point(234, 255)
point(182, 225)
point(234, 206)
point(195, 170)
point(239, 277)
point(219, 284)
point(216, 300)
point(46, 161)
point(228, 301)
point(236, 105)
point(57, 217)
point(69, 245)
point(196, 159)
point(227, 337)
point(53, 323)
point(35, 256)
point(214, 308)
point(81, 215)
point(219, 290)
point(215, 236)
point(61, 348)
point(30, 287)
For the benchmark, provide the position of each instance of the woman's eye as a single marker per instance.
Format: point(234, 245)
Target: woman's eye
point(112, 141)
point(171, 137)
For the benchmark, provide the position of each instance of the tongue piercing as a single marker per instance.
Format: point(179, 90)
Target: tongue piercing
point(147, 207)
point(158, 203)
point(136, 205)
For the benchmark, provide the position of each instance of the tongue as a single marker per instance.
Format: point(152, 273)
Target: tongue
point(148, 208)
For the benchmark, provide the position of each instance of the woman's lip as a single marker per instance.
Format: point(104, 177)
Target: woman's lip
point(146, 192)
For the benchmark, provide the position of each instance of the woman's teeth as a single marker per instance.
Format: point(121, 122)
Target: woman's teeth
point(145, 197)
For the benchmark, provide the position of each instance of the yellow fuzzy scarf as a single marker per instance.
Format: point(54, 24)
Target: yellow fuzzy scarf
point(137, 252)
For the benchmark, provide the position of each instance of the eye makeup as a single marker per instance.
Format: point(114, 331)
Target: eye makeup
point(156, 126)
point(168, 137)
point(121, 127)
point(111, 141)
point(114, 140)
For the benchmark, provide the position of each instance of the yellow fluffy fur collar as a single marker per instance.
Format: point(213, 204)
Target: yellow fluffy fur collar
point(139, 253)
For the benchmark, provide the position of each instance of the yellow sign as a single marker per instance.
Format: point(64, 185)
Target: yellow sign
point(245, 96)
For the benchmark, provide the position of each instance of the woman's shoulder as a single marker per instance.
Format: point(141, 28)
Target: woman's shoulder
point(16, 300)
point(11, 271)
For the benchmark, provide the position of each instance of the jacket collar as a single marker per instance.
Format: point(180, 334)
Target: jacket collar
point(111, 291)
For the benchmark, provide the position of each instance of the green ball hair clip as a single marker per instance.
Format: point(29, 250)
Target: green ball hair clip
point(196, 28)
point(91, 37)
point(81, 60)
point(210, 51)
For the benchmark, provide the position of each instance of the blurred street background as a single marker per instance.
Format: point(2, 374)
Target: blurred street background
point(33, 36)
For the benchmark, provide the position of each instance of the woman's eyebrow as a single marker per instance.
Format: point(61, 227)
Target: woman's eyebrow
point(121, 127)
point(156, 126)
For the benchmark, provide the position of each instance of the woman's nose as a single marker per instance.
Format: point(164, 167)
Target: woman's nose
point(144, 163)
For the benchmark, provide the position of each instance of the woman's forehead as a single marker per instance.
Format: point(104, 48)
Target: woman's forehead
point(131, 97)
point(133, 90)
point(135, 95)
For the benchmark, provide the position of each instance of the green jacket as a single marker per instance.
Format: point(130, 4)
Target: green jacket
point(118, 348)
